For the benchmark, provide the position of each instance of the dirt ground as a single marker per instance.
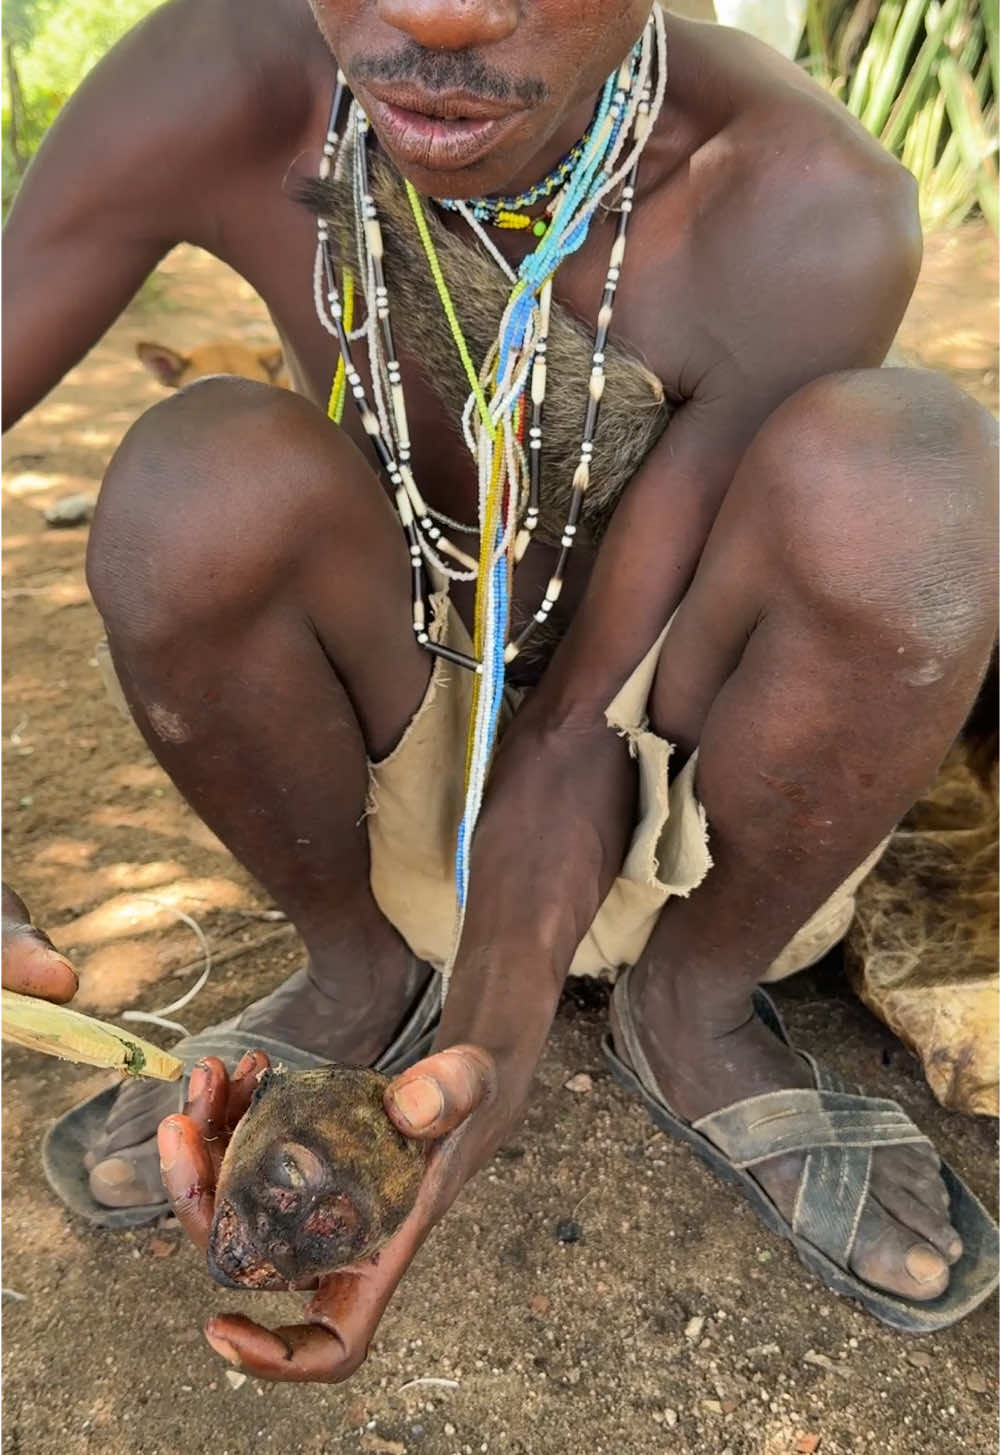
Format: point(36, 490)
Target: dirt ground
point(674, 1323)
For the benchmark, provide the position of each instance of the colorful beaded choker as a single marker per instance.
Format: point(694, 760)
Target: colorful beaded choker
point(512, 212)
point(503, 419)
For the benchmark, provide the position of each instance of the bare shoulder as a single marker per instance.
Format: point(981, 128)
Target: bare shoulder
point(790, 196)
point(235, 67)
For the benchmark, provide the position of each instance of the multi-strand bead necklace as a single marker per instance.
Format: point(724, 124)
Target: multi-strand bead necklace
point(503, 419)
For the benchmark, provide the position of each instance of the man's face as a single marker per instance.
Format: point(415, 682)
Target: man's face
point(473, 97)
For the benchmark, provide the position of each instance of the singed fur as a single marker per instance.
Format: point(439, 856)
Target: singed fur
point(634, 409)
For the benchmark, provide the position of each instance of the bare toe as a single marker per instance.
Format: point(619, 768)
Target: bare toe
point(131, 1179)
point(889, 1256)
point(923, 1215)
point(138, 1110)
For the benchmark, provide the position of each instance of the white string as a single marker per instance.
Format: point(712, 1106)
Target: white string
point(158, 1017)
point(487, 241)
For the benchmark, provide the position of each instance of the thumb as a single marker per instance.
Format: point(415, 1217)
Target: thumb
point(31, 963)
point(441, 1091)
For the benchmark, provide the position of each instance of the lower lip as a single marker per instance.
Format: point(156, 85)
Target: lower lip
point(432, 143)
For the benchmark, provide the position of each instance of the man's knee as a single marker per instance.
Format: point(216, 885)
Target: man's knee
point(876, 497)
point(208, 503)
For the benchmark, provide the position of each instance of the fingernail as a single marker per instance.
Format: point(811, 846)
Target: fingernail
point(923, 1264)
point(419, 1102)
point(46, 955)
point(223, 1347)
point(196, 1085)
point(62, 960)
point(168, 1141)
point(244, 1066)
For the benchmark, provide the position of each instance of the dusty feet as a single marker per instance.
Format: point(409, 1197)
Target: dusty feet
point(706, 1060)
point(124, 1166)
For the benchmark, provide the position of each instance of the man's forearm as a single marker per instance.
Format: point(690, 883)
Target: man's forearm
point(560, 802)
point(551, 838)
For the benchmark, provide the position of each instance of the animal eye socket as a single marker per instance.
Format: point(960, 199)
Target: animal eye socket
point(292, 1165)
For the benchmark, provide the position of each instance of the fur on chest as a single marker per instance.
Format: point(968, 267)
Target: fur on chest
point(634, 410)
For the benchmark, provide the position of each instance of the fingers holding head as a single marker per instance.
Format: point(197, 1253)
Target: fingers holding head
point(189, 1176)
point(242, 1085)
point(440, 1092)
point(295, 1354)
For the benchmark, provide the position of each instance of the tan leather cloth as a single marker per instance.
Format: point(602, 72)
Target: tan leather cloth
point(923, 950)
point(415, 805)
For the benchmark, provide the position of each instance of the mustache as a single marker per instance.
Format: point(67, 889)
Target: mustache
point(464, 71)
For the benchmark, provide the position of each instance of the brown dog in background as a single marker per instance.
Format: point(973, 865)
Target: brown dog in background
point(224, 356)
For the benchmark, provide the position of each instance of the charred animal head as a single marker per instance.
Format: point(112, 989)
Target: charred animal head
point(315, 1177)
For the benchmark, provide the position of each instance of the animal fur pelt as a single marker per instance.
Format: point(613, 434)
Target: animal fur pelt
point(634, 410)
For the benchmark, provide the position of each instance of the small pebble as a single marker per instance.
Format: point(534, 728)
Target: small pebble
point(694, 1327)
point(581, 1083)
point(234, 1378)
point(71, 510)
point(822, 1361)
point(670, 1418)
point(569, 1231)
point(976, 1383)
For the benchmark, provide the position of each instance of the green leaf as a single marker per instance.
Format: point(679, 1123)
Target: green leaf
point(874, 55)
point(912, 92)
point(892, 69)
point(989, 14)
point(967, 127)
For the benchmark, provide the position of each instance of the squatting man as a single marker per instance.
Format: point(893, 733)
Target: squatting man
point(644, 681)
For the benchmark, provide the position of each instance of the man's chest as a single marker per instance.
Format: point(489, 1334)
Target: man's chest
point(653, 325)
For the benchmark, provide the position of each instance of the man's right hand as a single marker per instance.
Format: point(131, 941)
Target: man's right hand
point(31, 963)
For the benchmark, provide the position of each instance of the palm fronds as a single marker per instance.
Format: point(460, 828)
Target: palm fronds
point(922, 75)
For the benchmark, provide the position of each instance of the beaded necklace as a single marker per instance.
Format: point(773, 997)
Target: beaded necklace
point(507, 393)
point(512, 212)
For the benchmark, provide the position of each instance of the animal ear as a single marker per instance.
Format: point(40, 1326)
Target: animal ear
point(166, 365)
point(271, 361)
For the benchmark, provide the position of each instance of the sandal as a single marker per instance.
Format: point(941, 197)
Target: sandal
point(837, 1128)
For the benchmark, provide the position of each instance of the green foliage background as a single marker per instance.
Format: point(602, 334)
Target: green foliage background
point(49, 46)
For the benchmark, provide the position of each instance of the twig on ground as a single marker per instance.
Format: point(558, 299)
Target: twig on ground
point(429, 1379)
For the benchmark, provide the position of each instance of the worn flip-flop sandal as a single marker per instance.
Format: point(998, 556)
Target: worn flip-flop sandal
point(837, 1128)
point(68, 1140)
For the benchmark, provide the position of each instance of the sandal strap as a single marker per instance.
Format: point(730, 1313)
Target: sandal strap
point(830, 1198)
point(802, 1120)
point(837, 1129)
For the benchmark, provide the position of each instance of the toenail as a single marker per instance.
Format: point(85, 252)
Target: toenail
point(196, 1085)
point(923, 1264)
point(955, 1247)
point(115, 1172)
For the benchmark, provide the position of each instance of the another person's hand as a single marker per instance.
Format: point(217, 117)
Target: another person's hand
point(456, 1100)
point(31, 963)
